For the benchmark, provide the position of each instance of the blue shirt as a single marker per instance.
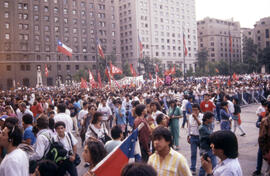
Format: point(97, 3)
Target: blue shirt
point(120, 120)
point(224, 115)
point(188, 108)
point(28, 134)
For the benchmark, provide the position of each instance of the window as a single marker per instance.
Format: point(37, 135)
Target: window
point(7, 25)
point(55, 10)
point(266, 33)
point(6, 15)
point(68, 67)
point(22, 67)
point(36, 28)
point(8, 67)
point(25, 6)
point(77, 67)
point(65, 11)
point(20, 6)
point(46, 18)
point(36, 17)
point(6, 4)
point(113, 33)
point(7, 36)
point(35, 8)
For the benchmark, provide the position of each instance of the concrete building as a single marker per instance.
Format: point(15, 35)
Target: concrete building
point(160, 25)
point(262, 33)
point(246, 33)
point(214, 35)
point(29, 31)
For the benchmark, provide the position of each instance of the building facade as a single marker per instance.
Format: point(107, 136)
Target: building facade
point(262, 33)
point(160, 26)
point(30, 29)
point(214, 35)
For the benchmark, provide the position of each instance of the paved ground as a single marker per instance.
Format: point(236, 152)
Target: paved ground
point(248, 144)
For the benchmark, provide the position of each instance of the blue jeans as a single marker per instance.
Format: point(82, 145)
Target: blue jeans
point(213, 161)
point(259, 160)
point(225, 125)
point(194, 144)
point(218, 111)
point(184, 119)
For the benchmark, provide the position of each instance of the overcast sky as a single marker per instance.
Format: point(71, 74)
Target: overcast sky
point(247, 12)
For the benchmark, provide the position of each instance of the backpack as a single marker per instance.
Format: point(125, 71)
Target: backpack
point(55, 152)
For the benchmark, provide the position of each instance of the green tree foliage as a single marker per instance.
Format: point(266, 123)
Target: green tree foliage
point(82, 73)
point(264, 58)
point(250, 55)
point(148, 65)
point(202, 58)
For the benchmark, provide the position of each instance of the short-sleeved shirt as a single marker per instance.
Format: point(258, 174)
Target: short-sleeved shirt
point(28, 134)
point(110, 145)
point(174, 164)
point(66, 141)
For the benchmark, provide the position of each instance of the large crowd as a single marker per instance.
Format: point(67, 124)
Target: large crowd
point(41, 129)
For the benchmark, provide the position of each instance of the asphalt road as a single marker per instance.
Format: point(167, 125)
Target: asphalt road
point(248, 144)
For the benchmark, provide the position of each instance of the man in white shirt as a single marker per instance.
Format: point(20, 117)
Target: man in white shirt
point(83, 112)
point(225, 146)
point(194, 121)
point(230, 104)
point(62, 116)
point(21, 111)
point(44, 136)
point(16, 161)
point(107, 113)
point(70, 144)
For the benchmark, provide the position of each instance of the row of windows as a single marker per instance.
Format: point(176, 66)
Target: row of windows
point(27, 67)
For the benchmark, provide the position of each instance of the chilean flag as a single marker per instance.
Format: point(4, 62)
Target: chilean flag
point(62, 48)
point(91, 79)
point(114, 70)
point(100, 51)
point(127, 151)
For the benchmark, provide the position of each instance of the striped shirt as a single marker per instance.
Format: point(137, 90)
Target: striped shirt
point(174, 164)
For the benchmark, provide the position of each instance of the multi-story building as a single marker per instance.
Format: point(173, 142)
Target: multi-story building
point(262, 33)
point(29, 31)
point(215, 34)
point(160, 25)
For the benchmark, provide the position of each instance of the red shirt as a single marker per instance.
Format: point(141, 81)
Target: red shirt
point(144, 133)
point(207, 106)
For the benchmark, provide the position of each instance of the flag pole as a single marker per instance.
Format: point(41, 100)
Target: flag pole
point(184, 74)
point(58, 78)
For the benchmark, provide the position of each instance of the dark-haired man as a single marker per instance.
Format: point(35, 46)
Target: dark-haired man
point(205, 131)
point(28, 135)
point(225, 146)
point(16, 161)
point(117, 136)
point(165, 160)
point(144, 133)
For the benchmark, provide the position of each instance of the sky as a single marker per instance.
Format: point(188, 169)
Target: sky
point(247, 12)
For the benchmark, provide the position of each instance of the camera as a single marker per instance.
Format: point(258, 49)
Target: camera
point(205, 156)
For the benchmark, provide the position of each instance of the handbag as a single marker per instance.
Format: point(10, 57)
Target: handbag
point(77, 160)
point(106, 137)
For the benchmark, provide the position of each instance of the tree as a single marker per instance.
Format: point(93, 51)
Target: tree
point(250, 55)
point(126, 68)
point(264, 58)
point(202, 58)
point(148, 65)
point(82, 73)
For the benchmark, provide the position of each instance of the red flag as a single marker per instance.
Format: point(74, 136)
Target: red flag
point(231, 44)
point(114, 70)
point(140, 47)
point(229, 82)
point(159, 81)
point(100, 51)
point(235, 76)
point(167, 72)
point(46, 70)
point(150, 76)
point(133, 72)
point(157, 69)
point(108, 75)
point(83, 83)
point(99, 81)
point(91, 79)
point(173, 70)
point(116, 82)
point(217, 70)
point(185, 47)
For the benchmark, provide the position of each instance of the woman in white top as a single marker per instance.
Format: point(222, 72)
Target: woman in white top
point(96, 130)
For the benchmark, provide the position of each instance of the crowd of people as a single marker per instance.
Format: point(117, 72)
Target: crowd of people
point(46, 127)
